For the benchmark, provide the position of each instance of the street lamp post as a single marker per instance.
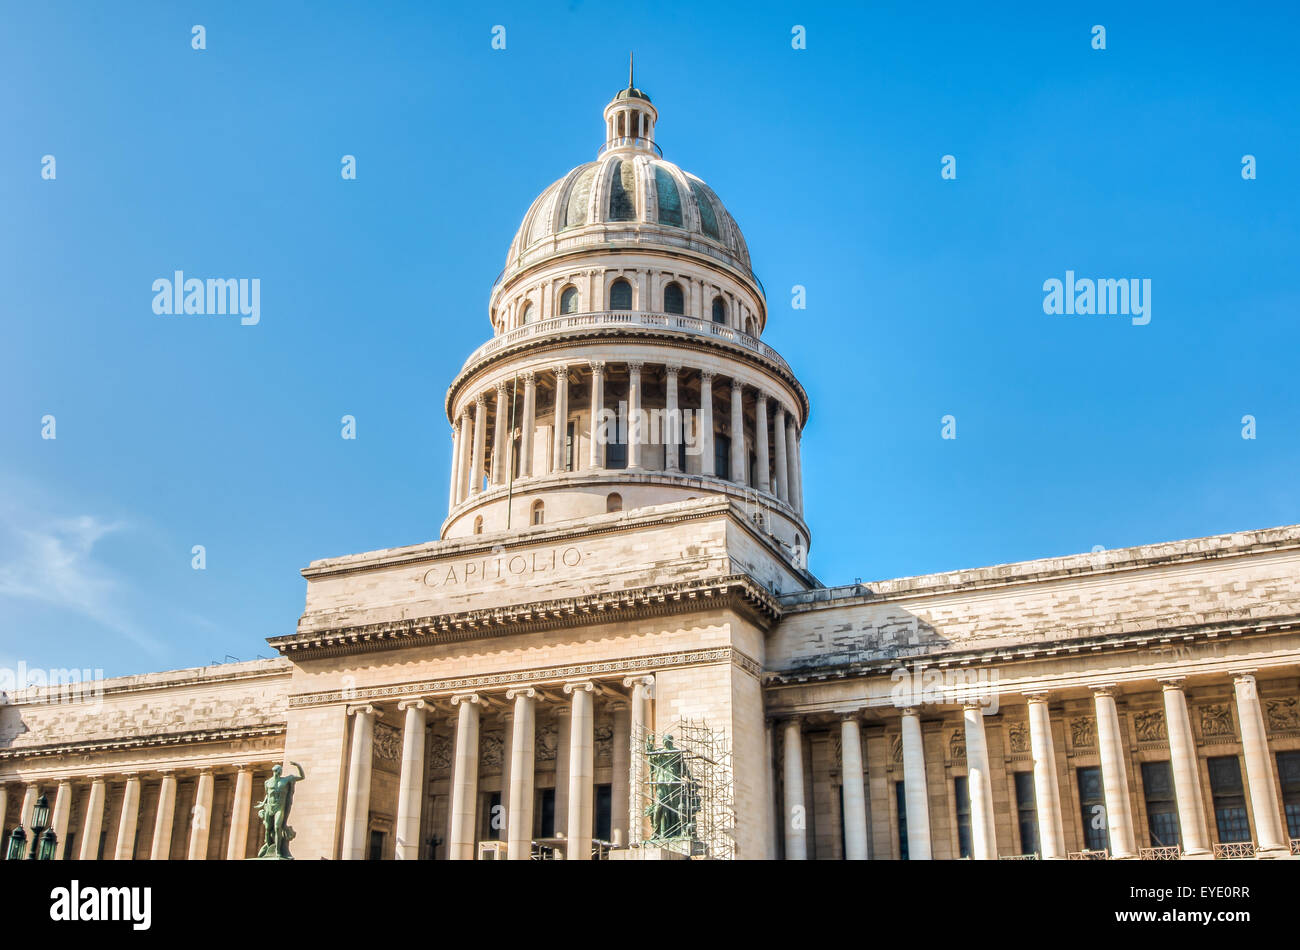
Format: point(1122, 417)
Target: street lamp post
point(44, 840)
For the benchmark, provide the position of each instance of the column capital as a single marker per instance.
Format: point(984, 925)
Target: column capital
point(480, 401)
point(526, 691)
point(562, 711)
point(736, 383)
point(851, 716)
point(583, 686)
point(1037, 696)
point(909, 710)
point(365, 709)
point(562, 371)
point(501, 387)
point(968, 704)
point(597, 367)
point(1105, 689)
point(672, 369)
point(1240, 675)
point(635, 366)
point(706, 376)
point(631, 682)
point(530, 377)
point(1168, 683)
point(406, 704)
point(474, 699)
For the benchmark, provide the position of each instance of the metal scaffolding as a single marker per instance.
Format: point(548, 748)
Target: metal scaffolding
point(684, 792)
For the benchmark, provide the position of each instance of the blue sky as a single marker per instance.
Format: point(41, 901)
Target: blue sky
point(924, 295)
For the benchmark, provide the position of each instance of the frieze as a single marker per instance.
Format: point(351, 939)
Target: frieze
point(1150, 726)
point(604, 738)
point(501, 681)
point(440, 748)
point(1283, 714)
point(492, 750)
point(1083, 733)
point(957, 745)
point(1017, 738)
point(1216, 722)
point(387, 744)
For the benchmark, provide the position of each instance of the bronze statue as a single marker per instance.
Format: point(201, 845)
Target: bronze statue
point(273, 809)
point(675, 793)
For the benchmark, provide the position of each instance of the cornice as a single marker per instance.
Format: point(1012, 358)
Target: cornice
point(140, 742)
point(739, 591)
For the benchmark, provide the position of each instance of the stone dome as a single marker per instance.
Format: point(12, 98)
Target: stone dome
point(629, 196)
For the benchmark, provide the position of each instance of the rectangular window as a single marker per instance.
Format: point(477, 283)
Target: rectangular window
point(901, 795)
point(546, 814)
point(844, 849)
point(1027, 812)
point(569, 443)
point(1162, 804)
point(962, 790)
point(604, 812)
point(376, 846)
point(70, 847)
point(722, 456)
point(1230, 815)
point(1288, 770)
point(1092, 806)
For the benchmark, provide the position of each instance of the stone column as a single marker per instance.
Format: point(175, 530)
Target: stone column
point(796, 813)
point(562, 735)
point(634, 427)
point(1114, 777)
point(639, 726)
point(356, 814)
point(201, 817)
point(798, 472)
point(466, 456)
point(1047, 790)
point(527, 425)
point(94, 822)
point(410, 785)
point(581, 772)
point(774, 830)
point(237, 840)
point(464, 787)
point(519, 813)
point(762, 458)
point(1183, 764)
point(561, 418)
point(597, 405)
point(59, 819)
point(162, 823)
point(984, 846)
point(915, 792)
point(1259, 767)
point(854, 789)
point(502, 437)
point(30, 794)
point(621, 764)
point(4, 816)
point(782, 471)
point(507, 762)
point(792, 461)
point(738, 453)
point(124, 850)
point(707, 466)
point(453, 489)
point(480, 445)
point(672, 422)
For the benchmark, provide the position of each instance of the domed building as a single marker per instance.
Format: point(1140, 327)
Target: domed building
point(615, 649)
point(626, 366)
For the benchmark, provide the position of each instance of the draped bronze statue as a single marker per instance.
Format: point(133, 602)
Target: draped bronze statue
point(675, 797)
point(273, 809)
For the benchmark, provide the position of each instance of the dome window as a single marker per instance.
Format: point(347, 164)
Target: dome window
point(708, 218)
point(575, 210)
point(670, 200)
point(674, 300)
point(569, 300)
point(719, 310)
point(622, 193)
point(478, 524)
point(620, 295)
point(529, 314)
point(613, 502)
point(537, 515)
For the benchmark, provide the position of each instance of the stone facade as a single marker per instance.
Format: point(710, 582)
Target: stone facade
point(489, 693)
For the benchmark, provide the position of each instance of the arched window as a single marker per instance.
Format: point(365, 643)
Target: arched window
point(670, 200)
point(622, 192)
point(751, 326)
point(674, 300)
point(527, 315)
point(538, 513)
point(478, 525)
point(620, 295)
point(613, 502)
point(719, 310)
point(569, 300)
